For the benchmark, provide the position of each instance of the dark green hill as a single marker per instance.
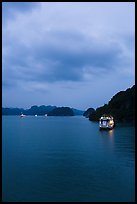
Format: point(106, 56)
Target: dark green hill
point(39, 110)
point(121, 107)
point(61, 111)
point(12, 111)
point(88, 112)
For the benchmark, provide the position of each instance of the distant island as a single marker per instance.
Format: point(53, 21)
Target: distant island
point(88, 112)
point(42, 110)
point(121, 107)
point(61, 111)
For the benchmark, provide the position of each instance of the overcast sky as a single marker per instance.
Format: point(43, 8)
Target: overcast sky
point(66, 54)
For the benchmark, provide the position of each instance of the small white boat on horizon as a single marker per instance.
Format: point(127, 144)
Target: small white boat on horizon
point(22, 115)
point(36, 115)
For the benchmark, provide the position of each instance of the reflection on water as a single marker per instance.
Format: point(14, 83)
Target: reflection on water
point(107, 138)
point(107, 132)
point(121, 142)
point(111, 132)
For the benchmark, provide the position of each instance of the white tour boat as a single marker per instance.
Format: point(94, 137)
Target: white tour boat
point(106, 122)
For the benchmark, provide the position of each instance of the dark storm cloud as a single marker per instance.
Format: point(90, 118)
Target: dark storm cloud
point(57, 62)
point(9, 8)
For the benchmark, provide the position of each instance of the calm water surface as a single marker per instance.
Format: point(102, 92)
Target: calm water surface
point(66, 159)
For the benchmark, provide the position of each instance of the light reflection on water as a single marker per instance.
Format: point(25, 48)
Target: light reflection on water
point(111, 132)
point(107, 138)
point(107, 133)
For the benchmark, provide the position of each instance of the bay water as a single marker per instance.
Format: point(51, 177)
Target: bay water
point(66, 159)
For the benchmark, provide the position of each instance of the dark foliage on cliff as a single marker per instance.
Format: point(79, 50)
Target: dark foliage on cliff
point(121, 107)
point(61, 111)
point(88, 112)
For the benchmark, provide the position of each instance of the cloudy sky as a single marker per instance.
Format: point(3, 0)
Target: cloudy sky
point(66, 54)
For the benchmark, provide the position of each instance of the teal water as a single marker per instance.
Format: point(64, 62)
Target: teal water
point(66, 159)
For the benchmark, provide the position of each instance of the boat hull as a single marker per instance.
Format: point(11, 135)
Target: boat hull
point(106, 128)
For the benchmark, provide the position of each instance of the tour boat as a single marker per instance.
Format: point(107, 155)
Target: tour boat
point(22, 115)
point(106, 122)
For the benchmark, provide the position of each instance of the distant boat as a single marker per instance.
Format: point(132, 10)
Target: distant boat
point(46, 115)
point(35, 115)
point(106, 122)
point(22, 115)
